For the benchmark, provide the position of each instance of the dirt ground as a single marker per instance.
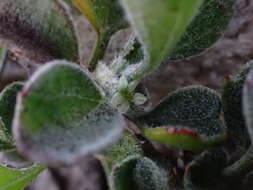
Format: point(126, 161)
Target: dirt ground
point(224, 58)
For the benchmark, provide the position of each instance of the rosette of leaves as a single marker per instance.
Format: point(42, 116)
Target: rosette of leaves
point(188, 118)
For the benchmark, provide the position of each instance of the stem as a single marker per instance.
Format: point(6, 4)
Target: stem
point(99, 49)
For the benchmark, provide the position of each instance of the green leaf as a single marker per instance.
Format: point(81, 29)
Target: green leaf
point(158, 25)
point(204, 171)
point(232, 107)
point(7, 107)
point(120, 150)
point(61, 115)
point(106, 16)
point(8, 102)
point(41, 29)
point(6, 141)
point(205, 29)
point(188, 118)
point(138, 173)
point(14, 179)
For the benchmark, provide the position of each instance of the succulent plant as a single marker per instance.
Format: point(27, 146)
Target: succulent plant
point(66, 111)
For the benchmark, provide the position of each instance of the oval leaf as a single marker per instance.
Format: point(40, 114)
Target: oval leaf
point(8, 102)
point(61, 115)
point(159, 26)
point(14, 179)
point(7, 107)
point(41, 29)
point(123, 148)
point(188, 118)
point(205, 29)
point(138, 173)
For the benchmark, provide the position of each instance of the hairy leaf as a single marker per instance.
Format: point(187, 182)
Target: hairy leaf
point(138, 173)
point(8, 102)
point(7, 107)
point(124, 147)
point(107, 17)
point(14, 179)
point(188, 118)
point(62, 115)
point(158, 26)
point(205, 29)
point(232, 107)
point(204, 171)
point(41, 29)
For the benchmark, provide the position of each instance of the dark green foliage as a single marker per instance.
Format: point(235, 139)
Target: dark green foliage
point(7, 108)
point(138, 173)
point(8, 102)
point(124, 147)
point(204, 172)
point(205, 29)
point(192, 112)
point(232, 107)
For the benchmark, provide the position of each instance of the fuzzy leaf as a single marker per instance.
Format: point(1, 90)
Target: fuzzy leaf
point(6, 141)
point(138, 173)
point(41, 29)
point(7, 107)
point(61, 115)
point(232, 107)
point(158, 26)
point(205, 29)
point(188, 118)
point(8, 102)
point(14, 179)
point(204, 172)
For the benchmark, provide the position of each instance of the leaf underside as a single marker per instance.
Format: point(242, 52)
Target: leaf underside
point(41, 30)
point(61, 115)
